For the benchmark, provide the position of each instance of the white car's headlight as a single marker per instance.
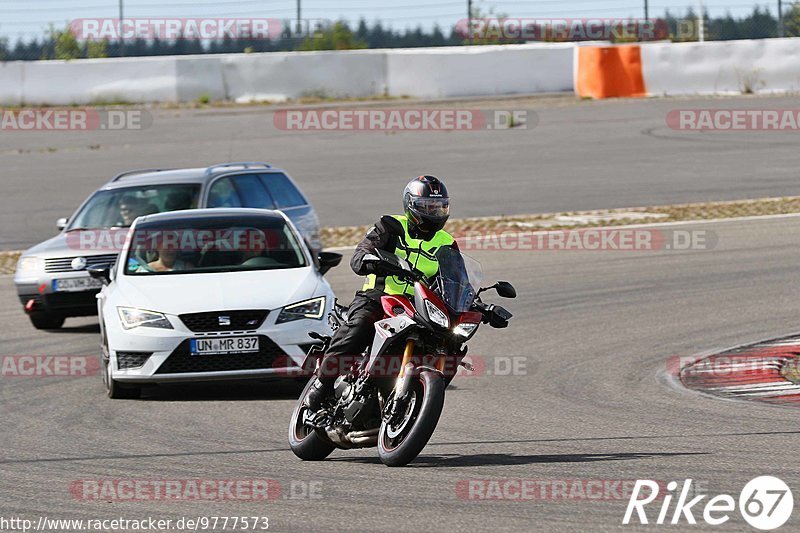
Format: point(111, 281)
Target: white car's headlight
point(312, 308)
point(465, 329)
point(28, 266)
point(436, 315)
point(133, 318)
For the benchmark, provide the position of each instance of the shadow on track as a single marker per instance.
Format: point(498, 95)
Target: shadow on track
point(141, 456)
point(620, 437)
point(84, 328)
point(509, 459)
point(250, 390)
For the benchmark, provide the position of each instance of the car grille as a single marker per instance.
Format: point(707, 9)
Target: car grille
point(64, 264)
point(239, 320)
point(132, 359)
point(181, 361)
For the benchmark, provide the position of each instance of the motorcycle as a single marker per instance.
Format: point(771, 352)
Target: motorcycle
point(392, 395)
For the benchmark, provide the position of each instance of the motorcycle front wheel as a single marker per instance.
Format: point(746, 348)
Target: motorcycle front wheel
point(305, 442)
point(402, 438)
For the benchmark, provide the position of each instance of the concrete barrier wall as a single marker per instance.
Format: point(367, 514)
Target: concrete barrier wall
point(480, 70)
point(197, 76)
point(439, 72)
point(11, 78)
point(150, 79)
point(668, 68)
point(280, 75)
point(720, 67)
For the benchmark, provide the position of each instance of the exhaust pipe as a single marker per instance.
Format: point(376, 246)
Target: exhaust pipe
point(363, 438)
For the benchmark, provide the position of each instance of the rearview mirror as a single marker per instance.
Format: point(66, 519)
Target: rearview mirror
point(328, 260)
point(505, 289)
point(61, 223)
point(101, 272)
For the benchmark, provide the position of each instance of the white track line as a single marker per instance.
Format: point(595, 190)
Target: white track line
point(629, 226)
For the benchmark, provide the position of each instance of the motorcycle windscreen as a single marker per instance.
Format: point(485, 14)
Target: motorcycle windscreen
point(460, 277)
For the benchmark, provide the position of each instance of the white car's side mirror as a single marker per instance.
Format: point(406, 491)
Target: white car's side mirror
point(61, 223)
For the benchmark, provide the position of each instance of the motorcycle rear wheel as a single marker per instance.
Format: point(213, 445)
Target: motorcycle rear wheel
point(401, 441)
point(306, 443)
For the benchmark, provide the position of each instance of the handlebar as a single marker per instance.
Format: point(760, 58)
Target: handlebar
point(392, 265)
point(494, 315)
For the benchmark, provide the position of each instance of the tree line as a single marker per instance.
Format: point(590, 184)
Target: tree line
point(62, 43)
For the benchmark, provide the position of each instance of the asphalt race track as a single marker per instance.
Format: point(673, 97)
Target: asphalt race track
point(595, 330)
point(576, 155)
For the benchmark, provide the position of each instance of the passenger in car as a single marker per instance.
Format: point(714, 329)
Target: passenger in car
point(167, 250)
point(168, 261)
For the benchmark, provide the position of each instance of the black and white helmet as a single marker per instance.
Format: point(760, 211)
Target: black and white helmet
point(426, 204)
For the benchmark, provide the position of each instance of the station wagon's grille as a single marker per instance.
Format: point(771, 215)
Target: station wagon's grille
point(225, 320)
point(64, 264)
point(182, 361)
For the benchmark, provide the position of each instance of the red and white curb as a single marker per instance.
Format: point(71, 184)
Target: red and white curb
point(749, 372)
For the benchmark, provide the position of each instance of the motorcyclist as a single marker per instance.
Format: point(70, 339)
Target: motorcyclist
point(414, 236)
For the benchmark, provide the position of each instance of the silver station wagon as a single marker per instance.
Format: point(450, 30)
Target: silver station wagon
point(51, 277)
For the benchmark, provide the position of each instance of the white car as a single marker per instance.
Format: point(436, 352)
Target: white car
point(210, 294)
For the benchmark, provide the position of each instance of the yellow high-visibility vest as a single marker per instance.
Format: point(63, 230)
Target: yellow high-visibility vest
point(421, 254)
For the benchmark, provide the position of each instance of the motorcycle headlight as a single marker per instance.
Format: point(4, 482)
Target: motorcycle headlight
point(465, 329)
point(312, 308)
point(29, 266)
point(134, 318)
point(436, 315)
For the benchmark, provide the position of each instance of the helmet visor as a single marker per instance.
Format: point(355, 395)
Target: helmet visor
point(432, 207)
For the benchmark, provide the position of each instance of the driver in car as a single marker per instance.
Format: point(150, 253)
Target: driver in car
point(414, 236)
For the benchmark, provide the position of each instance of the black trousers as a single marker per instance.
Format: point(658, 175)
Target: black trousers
point(354, 335)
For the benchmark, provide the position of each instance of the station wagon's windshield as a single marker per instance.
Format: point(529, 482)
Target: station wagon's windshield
point(219, 244)
point(120, 207)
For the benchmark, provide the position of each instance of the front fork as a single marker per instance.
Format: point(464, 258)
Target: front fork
point(407, 374)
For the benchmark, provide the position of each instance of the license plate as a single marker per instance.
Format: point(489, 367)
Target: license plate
point(76, 284)
point(223, 345)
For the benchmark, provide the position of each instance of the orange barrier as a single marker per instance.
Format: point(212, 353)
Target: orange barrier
point(609, 71)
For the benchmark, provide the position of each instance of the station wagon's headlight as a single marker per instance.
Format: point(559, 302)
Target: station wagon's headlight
point(133, 318)
point(27, 266)
point(306, 309)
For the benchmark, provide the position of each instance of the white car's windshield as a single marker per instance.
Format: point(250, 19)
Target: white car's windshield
point(120, 207)
point(215, 244)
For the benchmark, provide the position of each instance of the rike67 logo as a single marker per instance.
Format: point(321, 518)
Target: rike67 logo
point(765, 503)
